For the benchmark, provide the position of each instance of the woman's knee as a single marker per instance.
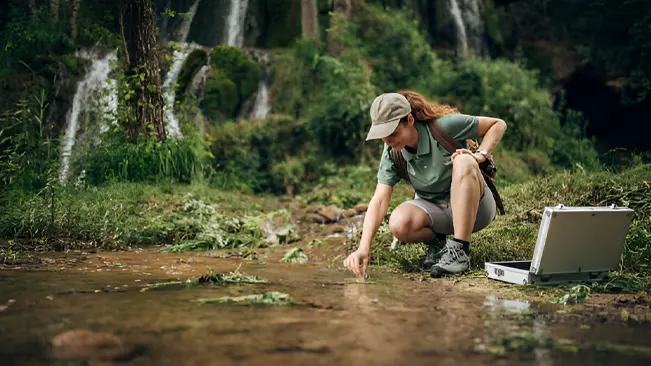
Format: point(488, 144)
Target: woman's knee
point(465, 166)
point(400, 224)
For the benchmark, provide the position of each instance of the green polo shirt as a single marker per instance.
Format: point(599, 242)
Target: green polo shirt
point(430, 168)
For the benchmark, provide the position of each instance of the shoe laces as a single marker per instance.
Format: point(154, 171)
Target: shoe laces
point(450, 254)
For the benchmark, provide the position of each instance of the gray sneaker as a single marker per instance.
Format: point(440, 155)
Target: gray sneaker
point(454, 261)
point(433, 250)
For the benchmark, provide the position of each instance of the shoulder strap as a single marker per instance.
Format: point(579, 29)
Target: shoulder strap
point(443, 137)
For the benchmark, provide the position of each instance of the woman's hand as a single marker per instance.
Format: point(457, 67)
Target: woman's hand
point(479, 157)
point(355, 259)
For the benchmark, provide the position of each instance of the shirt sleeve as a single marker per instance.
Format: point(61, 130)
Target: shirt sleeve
point(387, 173)
point(460, 126)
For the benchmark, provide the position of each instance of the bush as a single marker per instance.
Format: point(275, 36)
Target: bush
point(238, 67)
point(148, 161)
point(235, 79)
point(505, 90)
point(338, 116)
point(292, 77)
point(220, 97)
point(393, 46)
point(245, 154)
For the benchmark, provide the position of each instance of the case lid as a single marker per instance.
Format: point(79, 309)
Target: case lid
point(580, 239)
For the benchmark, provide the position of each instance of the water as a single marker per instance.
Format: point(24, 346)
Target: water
point(169, 89)
point(185, 29)
point(262, 103)
point(335, 320)
point(462, 39)
point(92, 88)
point(469, 26)
point(235, 23)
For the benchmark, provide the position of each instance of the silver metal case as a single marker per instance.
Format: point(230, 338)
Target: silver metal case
point(574, 244)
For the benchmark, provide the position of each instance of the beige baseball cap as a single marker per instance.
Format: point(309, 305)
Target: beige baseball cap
point(386, 111)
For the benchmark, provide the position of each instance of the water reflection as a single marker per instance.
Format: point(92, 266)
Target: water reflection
point(511, 327)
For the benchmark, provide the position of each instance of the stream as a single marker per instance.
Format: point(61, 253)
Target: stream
point(334, 319)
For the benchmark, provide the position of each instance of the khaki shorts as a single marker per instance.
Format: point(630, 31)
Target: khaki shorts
point(440, 212)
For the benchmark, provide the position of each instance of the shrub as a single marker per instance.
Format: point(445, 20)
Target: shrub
point(234, 80)
point(238, 67)
point(220, 99)
point(505, 90)
point(292, 77)
point(393, 46)
point(148, 161)
point(245, 154)
point(338, 116)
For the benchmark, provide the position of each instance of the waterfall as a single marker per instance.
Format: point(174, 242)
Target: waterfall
point(169, 84)
point(169, 90)
point(462, 39)
point(91, 88)
point(235, 23)
point(469, 25)
point(261, 104)
point(185, 29)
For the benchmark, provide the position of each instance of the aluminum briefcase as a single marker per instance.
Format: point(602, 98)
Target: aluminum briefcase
point(574, 244)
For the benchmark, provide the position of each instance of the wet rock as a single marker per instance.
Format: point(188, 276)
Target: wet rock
point(361, 208)
point(314, 208)
point(316, 218)
point(349, 213)
point(336, 229)
point(331, 213)
point(87, 345)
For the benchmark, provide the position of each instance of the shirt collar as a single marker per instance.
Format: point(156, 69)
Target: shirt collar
point(423, 142)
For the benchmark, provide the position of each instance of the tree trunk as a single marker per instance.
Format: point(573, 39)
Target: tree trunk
point(309, 19)
point(148, 104)
point(54, 4)
point(340, 8)
point(73, 20)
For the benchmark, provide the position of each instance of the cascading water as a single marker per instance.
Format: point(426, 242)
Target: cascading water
point(462, 39)
point(261, 104)
point(89, 97)
point(185, 29)
point(235, 23)
point(169, 90)
point(469, 25)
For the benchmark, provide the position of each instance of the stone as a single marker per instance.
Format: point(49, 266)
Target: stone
point(316, 218)
point(314, 208)
point(331, 213)
point(81, 344)
point(349, 213)
point(334, 229)
point(361, 208)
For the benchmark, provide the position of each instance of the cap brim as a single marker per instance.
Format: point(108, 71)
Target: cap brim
point(382, 131)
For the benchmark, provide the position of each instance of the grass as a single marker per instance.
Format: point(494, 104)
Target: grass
point(513, 236)
point(124, 214)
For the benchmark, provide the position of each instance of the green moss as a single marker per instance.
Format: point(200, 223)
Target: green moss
point(238, 67)
point(195, 60)
point(235, 80)
point(220, 98)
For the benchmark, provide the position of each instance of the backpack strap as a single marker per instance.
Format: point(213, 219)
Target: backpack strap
point(401, 165)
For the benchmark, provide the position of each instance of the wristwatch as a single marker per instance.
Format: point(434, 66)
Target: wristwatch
point(483, 152)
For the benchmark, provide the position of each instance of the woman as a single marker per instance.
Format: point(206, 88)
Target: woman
point(451, 195)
